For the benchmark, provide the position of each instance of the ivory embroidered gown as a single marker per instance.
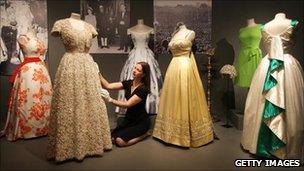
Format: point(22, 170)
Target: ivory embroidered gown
point(274, 111)
point(79, 123)
point(183, 118)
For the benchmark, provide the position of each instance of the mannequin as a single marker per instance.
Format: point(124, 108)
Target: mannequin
point(279, 24)
point(140, 28)
point(182, 31)
point(75, 16)
point(273, 117)
point(251, 22)
point(76, 101)
point(29, 51)
point(183, 118)
point(31, 75)
point(140, 34)
point(76, 21)
point(249, 56)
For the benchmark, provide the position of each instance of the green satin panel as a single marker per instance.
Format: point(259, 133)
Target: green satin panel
point(268, 142)
point(270, 81)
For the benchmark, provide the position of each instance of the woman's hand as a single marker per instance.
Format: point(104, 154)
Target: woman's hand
point(126, 104)
point(106, 95)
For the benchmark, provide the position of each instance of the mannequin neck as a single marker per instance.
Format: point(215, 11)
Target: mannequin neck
point(250, 22)
point(75, 16)
point(280, 16)
point(182, 27)
point(140, 27)
point(278, 24)
point(140, 22)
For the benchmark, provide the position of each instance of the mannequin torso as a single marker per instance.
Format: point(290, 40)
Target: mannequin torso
point(278, 25)
point(76, 22)
point(184, 33)
point(250, 22)
point(140, 28)
point(31, 46)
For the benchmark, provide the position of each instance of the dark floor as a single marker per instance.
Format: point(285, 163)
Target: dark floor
point(149, 154)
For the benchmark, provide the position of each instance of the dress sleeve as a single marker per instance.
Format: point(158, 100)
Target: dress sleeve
point(126, 84)
point(262, 26)
point(142, 92)
point(294, 23)
point(56, 28)
point(93, 31)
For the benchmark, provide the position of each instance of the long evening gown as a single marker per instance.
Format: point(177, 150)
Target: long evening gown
point(79, 124)
point(250, 54)
point(142, 53)
point(31, 95)
point(183, 118)
point(274, 111)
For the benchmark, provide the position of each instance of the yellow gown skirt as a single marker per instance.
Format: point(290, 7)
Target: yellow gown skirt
point(183, 118)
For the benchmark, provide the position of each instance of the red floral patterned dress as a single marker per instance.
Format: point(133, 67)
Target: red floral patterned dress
point(31, 94)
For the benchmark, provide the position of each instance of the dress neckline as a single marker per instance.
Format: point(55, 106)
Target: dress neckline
point(291, 25)
point(131, 92)
point(243, 28)
point(185, 38)
point(72, 27)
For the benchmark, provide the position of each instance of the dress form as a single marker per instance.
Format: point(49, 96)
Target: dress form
point(25, 77)
point(183, 121)
point(79, 76)
point(140, 27)
point(285, 127)
point(279, 24)
point(75, 16)
point(34, 46)
point(183, 33)
point(140, 35)
point(76, 21)
point(250, 22)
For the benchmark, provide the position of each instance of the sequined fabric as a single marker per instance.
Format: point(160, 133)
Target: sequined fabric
point(79, 123)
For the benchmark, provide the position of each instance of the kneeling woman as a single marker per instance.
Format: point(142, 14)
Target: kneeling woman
point(136, 123)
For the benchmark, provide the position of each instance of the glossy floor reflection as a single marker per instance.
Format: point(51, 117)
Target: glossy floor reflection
point(149, 154)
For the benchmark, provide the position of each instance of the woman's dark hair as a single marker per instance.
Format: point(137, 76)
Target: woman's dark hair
point(146, 74)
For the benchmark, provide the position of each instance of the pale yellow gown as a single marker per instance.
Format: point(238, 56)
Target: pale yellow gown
point(183, 118)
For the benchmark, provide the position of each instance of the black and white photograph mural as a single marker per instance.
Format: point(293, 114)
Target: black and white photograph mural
point(111, 18)
point(18, 17)
point(195, 14)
